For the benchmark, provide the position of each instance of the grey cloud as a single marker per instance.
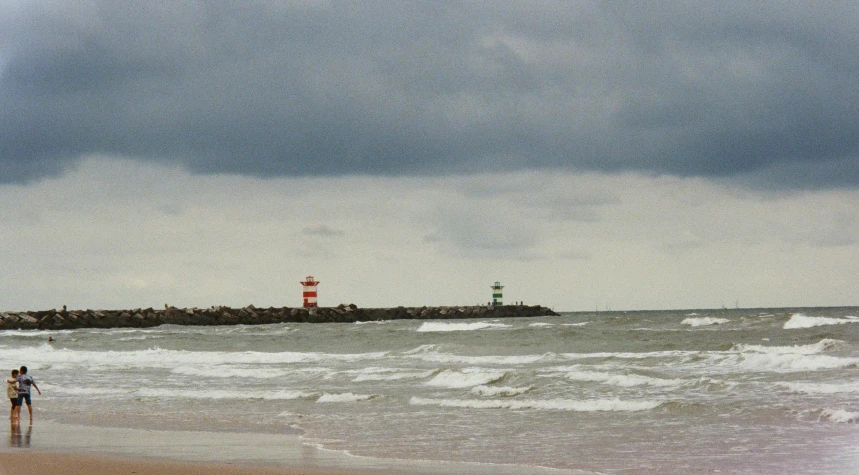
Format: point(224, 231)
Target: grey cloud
point(475, 231)
point(764, 93)
point(322, 230)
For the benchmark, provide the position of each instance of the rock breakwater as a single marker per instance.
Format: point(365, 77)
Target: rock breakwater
point(250, 315)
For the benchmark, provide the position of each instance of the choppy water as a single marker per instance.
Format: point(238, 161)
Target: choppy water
point(736, 391)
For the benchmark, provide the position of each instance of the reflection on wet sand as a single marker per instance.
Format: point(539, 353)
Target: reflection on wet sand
point(18, 438)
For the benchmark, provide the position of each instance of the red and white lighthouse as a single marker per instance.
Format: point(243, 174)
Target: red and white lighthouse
point(309, 291)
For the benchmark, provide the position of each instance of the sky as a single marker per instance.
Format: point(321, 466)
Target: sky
point(588, 155)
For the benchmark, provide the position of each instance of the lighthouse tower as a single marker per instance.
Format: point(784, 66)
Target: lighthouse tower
point(309, 291)
point(496, 293)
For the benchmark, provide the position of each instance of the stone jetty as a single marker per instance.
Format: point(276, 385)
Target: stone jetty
point(250, 315)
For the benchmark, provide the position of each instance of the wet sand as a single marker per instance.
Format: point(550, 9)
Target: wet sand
point(38, 463)
point(50, 447)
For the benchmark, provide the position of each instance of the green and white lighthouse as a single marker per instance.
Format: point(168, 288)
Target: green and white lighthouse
point(496, 294)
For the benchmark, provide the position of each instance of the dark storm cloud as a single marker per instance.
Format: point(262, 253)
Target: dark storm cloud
point(765, 90)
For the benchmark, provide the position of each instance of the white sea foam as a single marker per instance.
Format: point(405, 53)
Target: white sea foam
point(630, 356)
point(757, 358)
point(598, 405)
point(810, 349)
point(84, 391)
point(394, 376)
point(703, 321)
point(480, 360)
point(161, 358)
point(499, 390)
point(467, 378)
point(581, 324)
point(141, 337)
point(225, 371)
point(459, 327)
point(421, 349)
point(821, 388)
point(622, 380)
point(541, 325)
point(799, 320)
point(839, 415)
point(344, 397)
point(166, 393)
point(41, 334)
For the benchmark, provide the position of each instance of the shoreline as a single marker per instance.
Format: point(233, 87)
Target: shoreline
point(53, 463)
point(78, 449)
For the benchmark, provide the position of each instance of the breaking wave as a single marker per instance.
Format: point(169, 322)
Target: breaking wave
point(599, 405)
point(703, 321)
point(799, 320)
point(467, 378)
point(622, 380)
point(839, 415)
point(821, 388)
point(345, 397)
point(499, 390)
point(220, 394)
point(161, 358)
point(458, 327)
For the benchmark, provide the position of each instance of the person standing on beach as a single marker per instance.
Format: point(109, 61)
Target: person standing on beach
point(12, 393)
point(24, 383)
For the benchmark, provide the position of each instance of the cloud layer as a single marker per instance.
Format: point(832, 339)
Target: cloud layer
point(767, 93)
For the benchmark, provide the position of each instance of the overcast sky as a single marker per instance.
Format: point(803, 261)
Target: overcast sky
point(623, 155)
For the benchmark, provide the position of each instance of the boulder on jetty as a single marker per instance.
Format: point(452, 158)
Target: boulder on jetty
point(250, 315)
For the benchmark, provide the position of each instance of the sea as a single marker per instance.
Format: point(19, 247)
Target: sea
point(762, 391)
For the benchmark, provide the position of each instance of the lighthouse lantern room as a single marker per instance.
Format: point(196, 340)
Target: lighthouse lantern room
point(309, 294)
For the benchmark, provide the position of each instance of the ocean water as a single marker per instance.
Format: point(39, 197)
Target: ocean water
point(708, 391)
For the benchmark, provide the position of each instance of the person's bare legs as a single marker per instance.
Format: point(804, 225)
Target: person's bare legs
point(30, 410)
